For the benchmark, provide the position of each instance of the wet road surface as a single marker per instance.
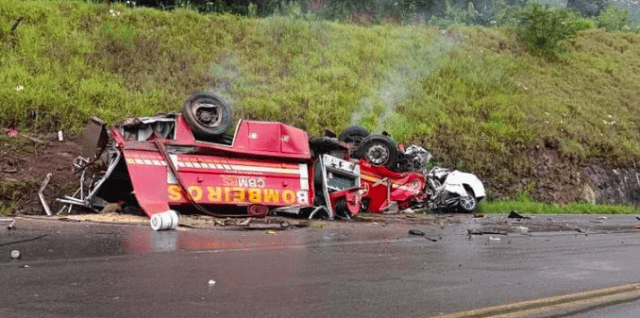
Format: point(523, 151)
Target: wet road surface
point(333, 270)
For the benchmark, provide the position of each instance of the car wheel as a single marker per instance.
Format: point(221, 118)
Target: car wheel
point(208, 115)
point(469, 202)
point(379, 150)
point(353, 135)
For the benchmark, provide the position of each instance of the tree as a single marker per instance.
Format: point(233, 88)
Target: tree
point(544, 29)
point(588, 8)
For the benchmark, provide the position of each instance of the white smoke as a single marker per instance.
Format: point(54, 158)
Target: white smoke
point(421, 61)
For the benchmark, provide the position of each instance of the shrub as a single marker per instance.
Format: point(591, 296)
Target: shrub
point(615, 19)
point(544, 29)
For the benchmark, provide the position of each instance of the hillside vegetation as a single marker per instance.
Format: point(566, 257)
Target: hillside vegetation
point(471, 95)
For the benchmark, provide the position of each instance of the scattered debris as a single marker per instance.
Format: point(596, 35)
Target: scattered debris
point(271, 223)
point(480, 215)
point(516, 215)
point(491, 238)
point(21, 241)
point(11, 132)
point(212, 282)
point(165, 221)
point(420, 233)
point(271, 232)
point(10, 170)
point(10, 226)
point(41, 196)
point(25, 266)
point(112, 207)
point(391, 208)
point(15, 254)
point(431, 239)
point(14, 26)
point(482, 232)
point(638, 217)
point(60, 136)
point(522, 229)
point(601, 218)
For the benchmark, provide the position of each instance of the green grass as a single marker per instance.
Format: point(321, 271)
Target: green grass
point(473, 96)
point(18, 144)
point(499, 207)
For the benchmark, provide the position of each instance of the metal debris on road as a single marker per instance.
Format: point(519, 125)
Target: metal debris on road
point(516, 215)
point(41, 196)
point(270, 223)
point(479, 232)
point(10, 226)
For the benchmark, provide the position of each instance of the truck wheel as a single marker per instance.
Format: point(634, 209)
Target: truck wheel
point(379, 150)
point(208, 115)
point(468, 203)
point(342, 209)
point(353, 135)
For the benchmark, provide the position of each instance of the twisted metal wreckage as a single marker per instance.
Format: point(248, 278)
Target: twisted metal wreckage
point(187, 161)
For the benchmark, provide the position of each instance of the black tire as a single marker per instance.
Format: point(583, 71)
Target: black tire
point(342, 209)
point(353, 135)
point(469, 203)
point(208, 115)
point(379, 150)
point(324, 145)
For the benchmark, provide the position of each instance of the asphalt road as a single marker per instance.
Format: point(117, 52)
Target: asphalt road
point(339, 270)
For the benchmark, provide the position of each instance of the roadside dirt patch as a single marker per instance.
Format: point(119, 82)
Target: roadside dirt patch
point(27, 161)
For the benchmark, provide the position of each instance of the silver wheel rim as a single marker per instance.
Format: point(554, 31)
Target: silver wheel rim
point(378, 154)
point(468, 202)
point(207, 114)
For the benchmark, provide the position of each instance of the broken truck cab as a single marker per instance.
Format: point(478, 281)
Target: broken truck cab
point(264, 166)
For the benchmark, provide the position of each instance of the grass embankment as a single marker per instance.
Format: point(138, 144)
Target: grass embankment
point(471, 95)
point(527, 206)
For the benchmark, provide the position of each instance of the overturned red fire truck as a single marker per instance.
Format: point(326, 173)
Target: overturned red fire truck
point(189, 161)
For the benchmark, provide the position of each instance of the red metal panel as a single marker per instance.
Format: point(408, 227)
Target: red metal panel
point(264, 136)
point(294, 140)
point(183, 133)
point(381, 183)
point(148, 174)
point(221, 181)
